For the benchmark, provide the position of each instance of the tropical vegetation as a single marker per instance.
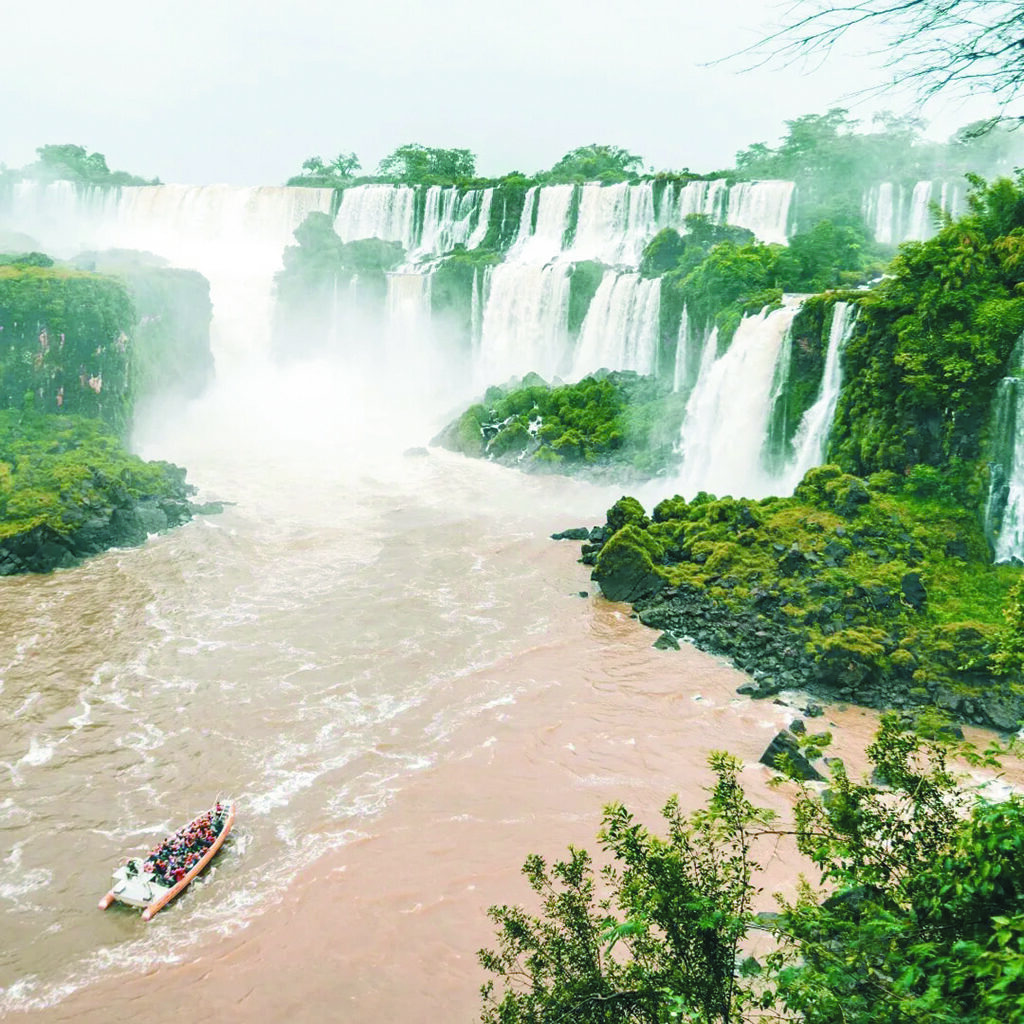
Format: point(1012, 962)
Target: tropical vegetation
point(917, 916)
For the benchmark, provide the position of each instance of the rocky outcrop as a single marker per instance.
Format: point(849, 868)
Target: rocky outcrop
point(43, 549)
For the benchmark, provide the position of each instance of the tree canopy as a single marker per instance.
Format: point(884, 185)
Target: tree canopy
point(416, 164)
point(70, 162)
point(320, 173)
point(918, 920)
point(596, 163)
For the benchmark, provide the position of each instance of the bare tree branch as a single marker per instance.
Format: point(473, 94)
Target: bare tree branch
point(952, 46)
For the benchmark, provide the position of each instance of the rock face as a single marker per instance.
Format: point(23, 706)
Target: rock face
point(43, 549)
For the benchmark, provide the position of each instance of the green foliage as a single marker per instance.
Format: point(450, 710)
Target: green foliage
point(414, 164)
point(918, 918)
point(933, 340)
point(831, 568)
point(25, 259)
point(663, 253)
point(832, 161)
point(1009, 654)
point(317, 273)
point(64, 338)
point(627, 511)
point(171, 351)
point(584, 280)
point(830, 254)
point(451, 288)
point(923, 918)
point(62, 471)
point(731, 280)
point(318, 173)
point(69, 162)
point(618, 425)
point(596, 163)
point(663, 944)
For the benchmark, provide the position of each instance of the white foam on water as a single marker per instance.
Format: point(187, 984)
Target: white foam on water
point(39, 752)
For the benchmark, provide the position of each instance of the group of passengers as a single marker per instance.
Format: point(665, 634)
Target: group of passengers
point(175, 857)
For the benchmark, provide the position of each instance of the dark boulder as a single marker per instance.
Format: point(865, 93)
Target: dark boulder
point(575, 533)
point(913, 591)
point(798, 767)
point(666, 642)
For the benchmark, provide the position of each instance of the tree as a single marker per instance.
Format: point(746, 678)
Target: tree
point(414, 164)
point(336, 174)
point(925, 920)
point(920, 918)
point(666, 941)
point(965, 46)
point(596, 163)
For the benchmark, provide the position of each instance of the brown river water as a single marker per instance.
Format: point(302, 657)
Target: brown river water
point(387, 663)
point(380, 656)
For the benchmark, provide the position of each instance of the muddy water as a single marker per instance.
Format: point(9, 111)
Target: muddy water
point(389, 666)
point(386, 662)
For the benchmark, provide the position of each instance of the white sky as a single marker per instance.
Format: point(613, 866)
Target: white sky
point(242, 91)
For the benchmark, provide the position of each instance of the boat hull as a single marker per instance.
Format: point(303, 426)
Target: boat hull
point(138, 890)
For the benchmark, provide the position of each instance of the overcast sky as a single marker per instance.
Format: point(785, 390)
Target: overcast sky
point(242, 91)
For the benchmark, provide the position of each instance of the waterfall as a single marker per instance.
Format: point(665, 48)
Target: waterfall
point(920, 226)
point(483, 220)
point(543, 224)
point(707, 198)
point(387, 212)
point(726, 419)
point(232, 235)
point(1004, 513)
point(516, 312)
point(614, 223)
point(620, 330)
point(681, 376)
point(525, 322)
point(811, 439)
point(892, 219)
point(449, 217)
point(762, 207)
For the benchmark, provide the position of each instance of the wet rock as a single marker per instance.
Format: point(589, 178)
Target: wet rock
point(797, 727)
point(575, 533)
point(584, 593)
point(207, 508)
point(914, 592)
point(666, 642)
point(416, 452)
point(799, 766)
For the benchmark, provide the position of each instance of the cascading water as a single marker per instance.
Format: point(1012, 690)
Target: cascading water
point(893, 217)
point(811, 438)
point(232, 235)
point(1004, 513)
point(920, 226)
point(762, 207)
point(681, 375)
point(724, 430)
point(614, 223)
point(525, 321)
point(449, 217)
point(620, 330)
point(523, 307)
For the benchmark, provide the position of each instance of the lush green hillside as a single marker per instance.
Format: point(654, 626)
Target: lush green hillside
point(74, 358)
point(69, 489)
point(64, 342)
